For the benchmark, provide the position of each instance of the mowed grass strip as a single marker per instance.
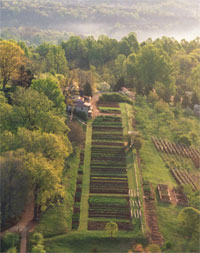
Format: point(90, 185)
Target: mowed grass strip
point(86, 180)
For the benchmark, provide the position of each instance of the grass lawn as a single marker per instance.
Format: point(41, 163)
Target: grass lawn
point(168, 223)
point(92, 241)
point(109, 108)
point(154, 169)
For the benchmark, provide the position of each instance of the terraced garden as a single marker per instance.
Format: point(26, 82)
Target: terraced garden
point(109, 184)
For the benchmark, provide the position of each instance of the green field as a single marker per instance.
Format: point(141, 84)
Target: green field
point(95, 241)
point(154, 169)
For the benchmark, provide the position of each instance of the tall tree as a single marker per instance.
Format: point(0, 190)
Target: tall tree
point(11, 56)
point(75, 52)
point(45, 181)
point(88, 89)
point(56, 61)
point(109, 49)
point(13, 188)
point(189, 219)
point(30, 108)
point(153, 65)
point(6, 113)
point(94, 51)
point(51, 89)
point(23, 77)
point(132, 41)
point(130, 69)
point(164, 91)
point(177, 99)
point(119, 66)
point(120, 83)
point(124, 47)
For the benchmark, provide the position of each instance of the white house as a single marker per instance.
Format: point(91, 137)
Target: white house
point(81, 106)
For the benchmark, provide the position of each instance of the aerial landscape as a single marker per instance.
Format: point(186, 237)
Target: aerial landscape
point(99, 126)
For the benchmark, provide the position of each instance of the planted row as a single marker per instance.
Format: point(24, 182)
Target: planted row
point(182, 177)
point(177, 149)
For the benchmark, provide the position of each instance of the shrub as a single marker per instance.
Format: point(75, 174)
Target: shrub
point(37, 238)
point(153, 97)
point(184, 140)
point(38, 249)
point(161, 106)
point(153, 248)
point(111, 228)
point(81, 115)
point(12, 250)
point(76, 134)
point(168, 245)
point(10, 240)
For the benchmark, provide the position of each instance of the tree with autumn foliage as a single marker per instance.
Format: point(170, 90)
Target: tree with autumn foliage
point(11, 58)
point(45, 181)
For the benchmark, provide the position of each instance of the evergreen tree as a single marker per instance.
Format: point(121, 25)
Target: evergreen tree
point(119, 84)
point(177, 99)
point(88, 90)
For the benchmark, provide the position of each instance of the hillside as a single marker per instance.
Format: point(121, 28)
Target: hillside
point(100, 145)
point(55, 21)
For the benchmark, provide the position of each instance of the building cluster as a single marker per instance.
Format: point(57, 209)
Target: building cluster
point(80, 104)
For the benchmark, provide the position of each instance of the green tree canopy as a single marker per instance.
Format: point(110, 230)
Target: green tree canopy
point(152, 65)
point(56, 61)
point(30, 108)
point(75, 52)
point(13, 188)
point(44, 179)
point(189, 220)
point(51, 89)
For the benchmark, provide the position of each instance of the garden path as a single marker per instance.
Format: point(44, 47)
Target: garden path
point(24, 225)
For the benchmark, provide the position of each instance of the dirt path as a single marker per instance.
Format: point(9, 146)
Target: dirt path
point(24, 235)
point(95, 98)
point(95, 111)
point(25, 225)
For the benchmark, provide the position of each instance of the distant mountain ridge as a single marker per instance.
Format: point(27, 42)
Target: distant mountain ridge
point(115, 18)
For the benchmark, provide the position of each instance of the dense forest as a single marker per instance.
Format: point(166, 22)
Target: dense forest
point(39, 145)
point(57, 20)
